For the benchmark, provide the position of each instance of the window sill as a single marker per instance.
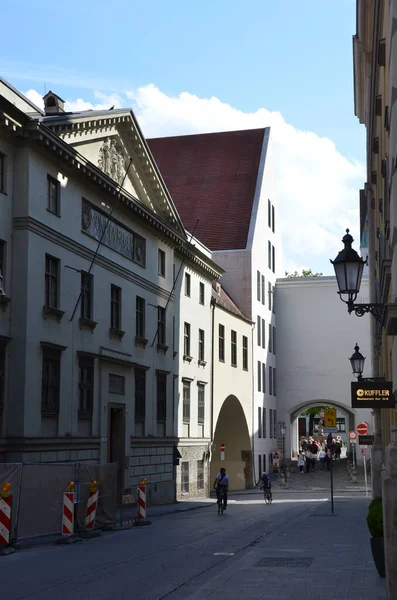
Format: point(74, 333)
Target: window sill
point(222, 360)
point(116, 333)
point(162, 348)
point(140, 341)
point(186, 422)
point(187, 358)
point(87, 324)
point(202, 363)
point(4, 302)
point(54, 213)
point(245, 369)
point(175, 354)
point(234, 366)
point(84, 416)
point(50, 311)
point(48, 414)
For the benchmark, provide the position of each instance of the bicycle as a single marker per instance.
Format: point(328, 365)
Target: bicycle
point(221, 501)
point(267, 493)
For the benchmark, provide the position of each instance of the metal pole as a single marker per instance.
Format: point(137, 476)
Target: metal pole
point(365, 476)
point(332, 483)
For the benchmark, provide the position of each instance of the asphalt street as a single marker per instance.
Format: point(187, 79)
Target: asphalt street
point(254, 550)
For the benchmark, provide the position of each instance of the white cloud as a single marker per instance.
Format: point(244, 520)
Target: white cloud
point(317, 187)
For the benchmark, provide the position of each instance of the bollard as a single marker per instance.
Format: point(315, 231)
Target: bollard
point(141, 518)
point(5, 518)
point(68, 510)
point(282, 479)
point(92, 505)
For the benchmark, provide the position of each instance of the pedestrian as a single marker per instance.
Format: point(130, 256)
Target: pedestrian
point(308, 457)
point(314, 450)
point(328, 458)
point(301, 462)
point(321, 456)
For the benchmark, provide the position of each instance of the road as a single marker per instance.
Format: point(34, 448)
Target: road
point(198, 554)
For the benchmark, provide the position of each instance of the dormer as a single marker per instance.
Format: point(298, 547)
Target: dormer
point(53, 104)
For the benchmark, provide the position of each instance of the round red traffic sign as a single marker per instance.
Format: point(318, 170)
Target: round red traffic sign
point(222, 447)
point(362, 429)
point(352, 435)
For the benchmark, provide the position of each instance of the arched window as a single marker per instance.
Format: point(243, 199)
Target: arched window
point(50, 101)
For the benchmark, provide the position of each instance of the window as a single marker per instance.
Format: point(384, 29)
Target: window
point(269, 213)
point(258, 330)
point(270, 422)
point(233, 348)
point(53, 195)
point(263, 377)
point(51, 281)
point(274, 383)
point(201, 293)
point(200, 474)
point(200, 405)
point(161, 263)
point(115, 307)
point(259, 375)
point(259, 422)
point(186, 402)
point(270, 338)
point(3, 247)
point(263, 289)
point(274, 298)
point(273, 221)
point(185, 477)
point(263, 333)
point(50, 382)
point(270, 459)
point(340, 424)
point(186, 340)
point(161, 325)
point(269, 295)
point(274, 423)
point(140, 395)
point(245, 353)
point(2, 173)
point(271, 381)
point(269, 255)
point(260, 465)
point(264, 463)
point(274, 340)
point(116, 384)
point(258, 286)
point(86, 296)
point(273, 259)
point(86, 387)
point(2, 378)
point(201, 345)
point(161, 397)
point(140, 317)
point(264, 424)
point(187, 284)
point(222, 343)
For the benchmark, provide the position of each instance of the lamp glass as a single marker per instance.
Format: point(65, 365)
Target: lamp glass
point(349, 268)
point(357, 361)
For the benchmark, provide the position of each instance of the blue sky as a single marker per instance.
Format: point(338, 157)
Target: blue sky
point(287, 56)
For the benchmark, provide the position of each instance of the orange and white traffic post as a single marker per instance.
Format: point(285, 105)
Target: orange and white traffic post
point(92, 505)
point(5, 513)
point(142, 499)
point(68, 510)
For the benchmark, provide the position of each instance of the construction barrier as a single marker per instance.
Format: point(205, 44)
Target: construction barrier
point(142, 499)
point(5, 513)
point(92, 504)
point(68, 511)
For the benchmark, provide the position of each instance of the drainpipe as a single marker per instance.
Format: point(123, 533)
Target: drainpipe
point(253, 405)
point(212, 369)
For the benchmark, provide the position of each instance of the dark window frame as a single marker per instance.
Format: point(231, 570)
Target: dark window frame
point(53, 195)
point(186, 402)
point(161, 326)
point(245, 352)
point(201, 404)
point(115, 307)
point(161, 262)
point(233, 348)
point(161, 397)
point(221, 343)
point(185, 481)
point(140, 395)
point(86, 387)
point(140, 317)
point(3, 173)
point(188, 285)
point(186, 339)
point(201, 293)
point(200, 475)
point(87, 288)
point(52, 276)
point(201, 345)
point(259, 375)
point(259, 422)
point(50, 382)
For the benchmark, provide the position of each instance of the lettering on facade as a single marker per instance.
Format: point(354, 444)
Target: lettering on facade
point(116, 384)
point(111, 160)
point(95, 223)
point(370, 394)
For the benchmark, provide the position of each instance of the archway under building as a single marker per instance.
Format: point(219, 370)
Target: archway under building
point(232, 431)
point(346, 421)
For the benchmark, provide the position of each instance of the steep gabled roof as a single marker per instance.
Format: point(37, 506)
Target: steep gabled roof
point(213, 177)
point(222, 299)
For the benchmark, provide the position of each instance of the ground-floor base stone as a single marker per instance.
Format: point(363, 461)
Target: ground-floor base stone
point(192, 474)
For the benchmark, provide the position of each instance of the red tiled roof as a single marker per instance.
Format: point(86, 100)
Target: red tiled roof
point(212, 177)
point(222, 298)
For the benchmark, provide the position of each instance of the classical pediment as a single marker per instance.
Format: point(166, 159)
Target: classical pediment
point(113, 142)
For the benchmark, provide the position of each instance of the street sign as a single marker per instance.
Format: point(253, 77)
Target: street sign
point(362, 429)
point(366, 440)
point(330, 417)
point(222, 456)
point(367, 394)
point(352, 435)
point(353, 441)
point(363, 451)
point(222, 447)
point(330, 430)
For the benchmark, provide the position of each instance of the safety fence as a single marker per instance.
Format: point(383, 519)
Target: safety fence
point(38, 495)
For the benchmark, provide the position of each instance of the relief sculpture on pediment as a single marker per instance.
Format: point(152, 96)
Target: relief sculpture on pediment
point(111, 160)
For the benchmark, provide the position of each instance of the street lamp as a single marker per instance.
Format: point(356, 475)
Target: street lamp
point(357, 361)
point(349, 268)
point(283, 431)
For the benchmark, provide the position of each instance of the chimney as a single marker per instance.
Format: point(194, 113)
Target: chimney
point(53, 104)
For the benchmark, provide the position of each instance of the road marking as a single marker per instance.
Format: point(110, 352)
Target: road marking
point(223, 553)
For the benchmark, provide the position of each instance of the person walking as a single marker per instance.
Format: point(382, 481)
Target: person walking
point(321, 456)
point(301, 462)
point(308, 457)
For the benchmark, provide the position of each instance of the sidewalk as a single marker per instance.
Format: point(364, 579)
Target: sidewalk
point(324, 556)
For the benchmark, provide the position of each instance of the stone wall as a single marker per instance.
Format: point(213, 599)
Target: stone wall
point(155, 462)
point(192, 454)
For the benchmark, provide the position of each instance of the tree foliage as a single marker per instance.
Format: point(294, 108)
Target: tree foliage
point(305, 273)
point(312, 412)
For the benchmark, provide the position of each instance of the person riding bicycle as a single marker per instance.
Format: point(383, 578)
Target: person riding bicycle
point(266, 483)
point(222, 482)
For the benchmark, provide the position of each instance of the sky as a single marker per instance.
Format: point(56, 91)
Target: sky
point(194, 67)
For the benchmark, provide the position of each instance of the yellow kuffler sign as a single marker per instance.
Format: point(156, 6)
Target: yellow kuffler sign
point(329, 417)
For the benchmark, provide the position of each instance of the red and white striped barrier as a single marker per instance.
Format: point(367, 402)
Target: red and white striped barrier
point(142, 502)
point(68, 513)
point(92, 505)
point(5, 514)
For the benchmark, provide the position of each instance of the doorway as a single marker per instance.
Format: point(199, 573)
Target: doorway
point(117, 444)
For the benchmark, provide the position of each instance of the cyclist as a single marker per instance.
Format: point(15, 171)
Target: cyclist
point(266, 483)
point(222, 481)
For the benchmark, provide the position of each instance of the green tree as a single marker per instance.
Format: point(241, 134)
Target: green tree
point(305, 273)
point(312, 412)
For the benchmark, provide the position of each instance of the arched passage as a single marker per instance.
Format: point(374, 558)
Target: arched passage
point(232, 430)
point(296, 411)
